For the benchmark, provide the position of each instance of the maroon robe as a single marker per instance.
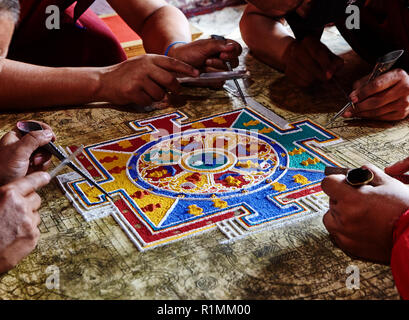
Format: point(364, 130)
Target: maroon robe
point(84, 41)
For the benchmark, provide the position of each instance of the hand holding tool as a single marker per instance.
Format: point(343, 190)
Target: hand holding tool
point(27, 126)
point(383, 65)
point(243, 98)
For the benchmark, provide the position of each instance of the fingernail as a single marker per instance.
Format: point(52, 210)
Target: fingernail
point(354, 96)
point(46, 175)
point(37, 160)
point(347, 114)
point(223, 56)
point(229, 46)
point(48, 134)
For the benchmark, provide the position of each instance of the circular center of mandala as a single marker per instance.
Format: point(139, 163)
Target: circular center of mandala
point(207, 161)
point(221, 162)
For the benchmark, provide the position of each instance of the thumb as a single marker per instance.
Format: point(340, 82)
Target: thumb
point(398, 168)
point(32, 182)
point(31, 142)
point(213, 47)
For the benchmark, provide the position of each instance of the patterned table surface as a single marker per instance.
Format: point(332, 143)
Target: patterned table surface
point(96, 260)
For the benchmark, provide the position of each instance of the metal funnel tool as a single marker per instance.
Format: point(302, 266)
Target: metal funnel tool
point(27, 126)
point(383, 65)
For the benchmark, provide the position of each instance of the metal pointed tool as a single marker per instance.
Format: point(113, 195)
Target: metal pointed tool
point(383, 65)
point(229, 67)
point(27, 126)
point(215, 77)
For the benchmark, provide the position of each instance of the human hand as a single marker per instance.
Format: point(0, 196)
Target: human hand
point(19, 155)
point(19, 218)
point(361, 220)
point(309, 61)
point(399, 168)
point(143, 80)
point(384, 98)
point(208, 55)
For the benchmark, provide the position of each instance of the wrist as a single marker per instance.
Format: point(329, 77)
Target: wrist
point(172, 49)
point(288, 43)
point(99, 90)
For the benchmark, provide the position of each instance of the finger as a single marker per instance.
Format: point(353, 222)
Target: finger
point(212, 47)
point(210, 70)
point(381, 99)
point(175, 65)
point(10, 138)
point(31, 142)
point(36, 218)
point(143, 99)
point(233, 48)
point(330, 222)
point(336, 188)
point(156, 92)
point(31, 183)
point(343, 242)
point(378, 112)
point(393, 116)
point(166, 80)
point(34, 201)
point(361, 82)
point(381, 83)
point(380, 177)
point(398, 168)
point(43, 125)
point(42, 167)
point(216, 64)
point(39, 158)
point(234, 62)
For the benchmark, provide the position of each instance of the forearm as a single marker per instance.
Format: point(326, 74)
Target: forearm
point(25, 87)
point(166, 26)
point(157, 23)
point(267, 38)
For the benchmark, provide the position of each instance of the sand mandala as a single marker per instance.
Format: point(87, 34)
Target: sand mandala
point(236, 172)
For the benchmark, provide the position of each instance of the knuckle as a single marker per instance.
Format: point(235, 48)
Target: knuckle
point(8, 192)
point(27, 226)
point(377, 83)
point(324, 183)
point(401, 114)
point(401, 73)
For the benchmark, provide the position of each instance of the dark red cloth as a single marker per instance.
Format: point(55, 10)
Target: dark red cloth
point(384, 26)
point(400, 255)
point(88, 42)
